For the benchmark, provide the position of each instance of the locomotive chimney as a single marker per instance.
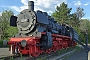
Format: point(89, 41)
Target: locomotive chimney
point(31, 5)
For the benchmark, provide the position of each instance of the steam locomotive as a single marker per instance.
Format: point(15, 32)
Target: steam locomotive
point(39, 33)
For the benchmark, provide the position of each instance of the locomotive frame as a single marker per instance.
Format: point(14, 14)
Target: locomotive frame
point(33, 49)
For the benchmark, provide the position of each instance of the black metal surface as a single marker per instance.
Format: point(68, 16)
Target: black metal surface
point(46, 41)
point(13, 20)
point(31, 5)
point(41, 18)
point(75, 35)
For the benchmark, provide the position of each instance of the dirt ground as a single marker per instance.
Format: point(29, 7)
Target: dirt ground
point(4, 52)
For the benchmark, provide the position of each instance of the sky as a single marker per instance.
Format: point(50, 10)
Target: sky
point(44, 5)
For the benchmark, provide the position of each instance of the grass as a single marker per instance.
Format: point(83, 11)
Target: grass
point(42, 58)
point(77, 50)
point(11, 58)
point(65, 50)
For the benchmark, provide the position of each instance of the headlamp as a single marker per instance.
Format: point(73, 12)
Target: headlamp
point(23, 43)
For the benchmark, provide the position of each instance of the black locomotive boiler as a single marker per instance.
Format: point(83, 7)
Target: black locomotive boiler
point(39, 33)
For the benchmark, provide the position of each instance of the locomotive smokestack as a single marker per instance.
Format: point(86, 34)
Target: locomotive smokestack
point(31, 5)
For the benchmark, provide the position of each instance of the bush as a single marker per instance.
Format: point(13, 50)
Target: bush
point(1, 44)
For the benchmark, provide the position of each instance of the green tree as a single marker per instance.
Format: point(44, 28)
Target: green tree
point(79, 12)
point(73, 20)
point(84, 24)
point(62, 13)
point(84, 28)
point(0, 28)
point(5, 27)
point(11, 31)
point(76, 16)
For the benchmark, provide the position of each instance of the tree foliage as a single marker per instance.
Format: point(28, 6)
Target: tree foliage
point(76, 16)
point(84, 25)
point(5, 29)
point(62, 13)
point(74, 20)
point(84, 28)
point(79, 12)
